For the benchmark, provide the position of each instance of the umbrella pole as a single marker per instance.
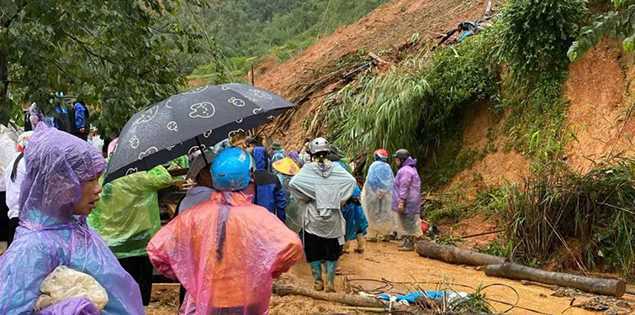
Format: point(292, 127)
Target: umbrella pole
point(200, 148)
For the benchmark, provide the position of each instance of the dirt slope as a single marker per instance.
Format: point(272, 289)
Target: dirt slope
point(386, 27)
point(601, 90)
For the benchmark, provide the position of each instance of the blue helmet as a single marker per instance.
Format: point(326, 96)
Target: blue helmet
point(231, 170)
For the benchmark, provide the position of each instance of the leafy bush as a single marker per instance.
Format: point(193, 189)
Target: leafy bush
point(536, 34)
point(618, 22)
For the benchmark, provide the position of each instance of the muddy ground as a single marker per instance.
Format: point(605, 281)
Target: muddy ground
point(383, 260)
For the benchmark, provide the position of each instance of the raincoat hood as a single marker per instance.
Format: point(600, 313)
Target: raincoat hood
point(323, 169)
point(409, 162)
point(260, 157)
point(57, 164)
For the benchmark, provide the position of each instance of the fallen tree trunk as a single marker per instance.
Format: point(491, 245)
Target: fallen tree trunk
point(612, 287)
point(455, 255)
point(282, 289)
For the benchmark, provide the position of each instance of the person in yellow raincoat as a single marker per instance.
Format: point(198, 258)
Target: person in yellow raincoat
point(226, 251)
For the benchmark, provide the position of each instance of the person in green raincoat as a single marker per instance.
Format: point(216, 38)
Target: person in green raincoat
point(127, 216)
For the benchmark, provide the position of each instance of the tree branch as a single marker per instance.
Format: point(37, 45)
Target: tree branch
point(84, 46)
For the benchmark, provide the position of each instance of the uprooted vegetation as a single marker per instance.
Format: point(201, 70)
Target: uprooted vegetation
point(518, 67)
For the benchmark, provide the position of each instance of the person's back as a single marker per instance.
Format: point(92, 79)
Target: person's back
point(80, 120)
point(60, 188)
point(225, 251)
point(377, 197)
point(269, 191)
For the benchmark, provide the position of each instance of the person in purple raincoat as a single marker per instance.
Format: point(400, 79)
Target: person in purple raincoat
point(406, 197)
point(59, 189)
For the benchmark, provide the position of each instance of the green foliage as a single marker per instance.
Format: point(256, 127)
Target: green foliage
point(498, 248)
point(536, 34)
point(414, 103)
point(380, 111)
point(450, 159)
point(619, 22)
point(118, 56)
point(474, 303)
point(536, 125)
point(595, 208)
point(255, 28)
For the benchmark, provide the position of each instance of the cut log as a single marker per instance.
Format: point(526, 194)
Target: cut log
point(283, 289)
point(612, 287)
point(455, 255)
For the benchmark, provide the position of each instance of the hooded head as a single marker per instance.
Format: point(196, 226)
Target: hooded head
point(58, 165)
point(260, 157)
point(35, 115)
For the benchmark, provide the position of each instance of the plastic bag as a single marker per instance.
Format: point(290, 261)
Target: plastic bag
point(64, 283)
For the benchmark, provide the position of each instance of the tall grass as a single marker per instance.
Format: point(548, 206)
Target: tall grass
point(596, 209)
point(414, 103)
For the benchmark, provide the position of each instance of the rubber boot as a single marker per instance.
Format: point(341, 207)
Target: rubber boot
point(316, 270)
point(361, 243)
point(408, 244)
point(346, 248)
point(331, 266)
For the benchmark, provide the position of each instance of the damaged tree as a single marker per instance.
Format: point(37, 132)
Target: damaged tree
point(612, 287)
point(455, 255)
point(283, 289)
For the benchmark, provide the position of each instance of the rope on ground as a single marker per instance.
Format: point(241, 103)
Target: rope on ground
point(387, 285)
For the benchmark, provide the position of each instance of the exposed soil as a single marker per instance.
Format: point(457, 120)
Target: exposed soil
point(384, 29)
point(600, 89)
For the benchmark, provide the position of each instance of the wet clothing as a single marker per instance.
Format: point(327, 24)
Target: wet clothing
point(51, 235)
point(318, 248)
point(14, 175)
point(356, 222)
point(377, 199)
point(321, 189)
point(407, 187)
point(80, 121)
point(127, 215)
point(269, 192)
point(140, 268)
point(225, 252)
point(194, 196)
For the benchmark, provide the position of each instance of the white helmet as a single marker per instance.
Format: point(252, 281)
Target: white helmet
point(319, 145)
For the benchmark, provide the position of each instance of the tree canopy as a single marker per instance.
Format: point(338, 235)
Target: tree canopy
point(118, 56)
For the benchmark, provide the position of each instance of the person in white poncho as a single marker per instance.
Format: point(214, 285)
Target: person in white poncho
point(321, 188)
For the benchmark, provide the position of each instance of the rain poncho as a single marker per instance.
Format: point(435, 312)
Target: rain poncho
point(356, 222)
point(225, 252)
point(8, 151)
point(321, 189)
point(407, 187)
point(377, 198)
point(127, 215)
point(50, 235)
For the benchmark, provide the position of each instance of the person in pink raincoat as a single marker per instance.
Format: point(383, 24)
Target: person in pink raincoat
point(406, 197)
point(226, 251)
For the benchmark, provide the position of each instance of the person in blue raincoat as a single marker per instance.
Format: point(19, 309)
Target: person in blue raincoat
point(356, 222)
point(377, 198)
point(269, 191)
point(59, 189)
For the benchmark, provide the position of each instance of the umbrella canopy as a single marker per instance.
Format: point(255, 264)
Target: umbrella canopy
point(178, 125)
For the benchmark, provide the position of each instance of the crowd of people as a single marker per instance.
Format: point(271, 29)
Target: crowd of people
point(250, 212)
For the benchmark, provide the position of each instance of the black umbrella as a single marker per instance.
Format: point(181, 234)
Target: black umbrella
point(190, 121)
